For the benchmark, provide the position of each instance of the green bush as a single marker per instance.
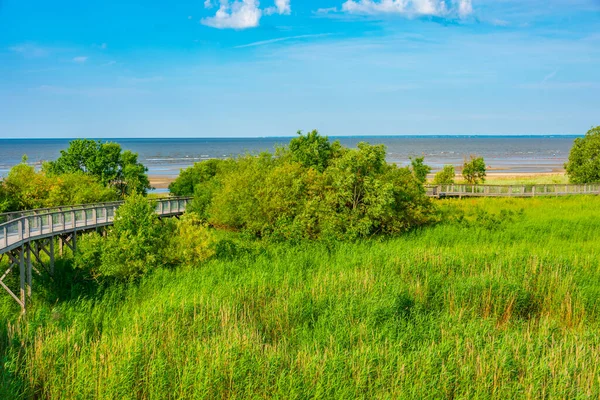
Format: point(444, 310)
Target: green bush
point(445, 176)
point(189, 178)
point(332, 192)
point(192, 242)
point(420, 169)
point(474, 170)
point(584, 160)
point(135, 244)
point(25, 188)
point(313, 150)
point(106, 162)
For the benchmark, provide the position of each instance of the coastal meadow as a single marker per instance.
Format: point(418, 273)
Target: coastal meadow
point(501, 300)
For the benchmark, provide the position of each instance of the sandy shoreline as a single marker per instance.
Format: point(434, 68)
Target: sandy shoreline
point(162, 182)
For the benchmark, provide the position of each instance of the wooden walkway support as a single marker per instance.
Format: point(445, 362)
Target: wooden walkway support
point(456, 190)
point(26, 236)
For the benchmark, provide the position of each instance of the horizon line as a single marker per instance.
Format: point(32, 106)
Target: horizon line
point(534, 135)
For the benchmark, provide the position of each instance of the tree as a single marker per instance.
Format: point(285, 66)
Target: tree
point(474, 170)
point(136, 241)
point(419, 169)
point(189, 178)
point(313, 150)
point(445, 176)
point(192, 242)
point(77, 188)
point(4, 199)
point(584, 159)
point(24, 188)
point(104, 161)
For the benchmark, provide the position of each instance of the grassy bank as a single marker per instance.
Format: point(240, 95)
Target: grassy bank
point(502, 301)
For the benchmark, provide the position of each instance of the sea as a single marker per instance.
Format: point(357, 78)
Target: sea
point(165, 157)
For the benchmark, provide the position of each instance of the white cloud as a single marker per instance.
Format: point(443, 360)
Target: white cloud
point(282, 39)
point(239, 15)
point(30, 50)
point(80, 59)
point(326, 10)
point(549, 76)
point(282, 7)
point(465, 8)
point(242, 14)
point(462, 8)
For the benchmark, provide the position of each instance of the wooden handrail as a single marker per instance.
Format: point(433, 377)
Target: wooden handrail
point(525, 190)
point(35, 224)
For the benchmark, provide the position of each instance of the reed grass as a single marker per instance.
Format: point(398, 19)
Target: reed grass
point(501, 301)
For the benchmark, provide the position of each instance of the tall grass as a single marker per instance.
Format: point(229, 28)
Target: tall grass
point(494, 304)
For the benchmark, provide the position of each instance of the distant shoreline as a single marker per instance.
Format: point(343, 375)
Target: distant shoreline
point(287, 137)
point(163, 182)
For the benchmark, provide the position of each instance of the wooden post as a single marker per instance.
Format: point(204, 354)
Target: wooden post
point(52, 256)
point(22, 278)
point(29, 269)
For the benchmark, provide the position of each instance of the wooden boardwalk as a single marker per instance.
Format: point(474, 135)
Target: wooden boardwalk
point(25, 236)
point(455, 190)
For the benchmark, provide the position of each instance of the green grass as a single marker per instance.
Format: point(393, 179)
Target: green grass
point(495, 304)
point(526, 179)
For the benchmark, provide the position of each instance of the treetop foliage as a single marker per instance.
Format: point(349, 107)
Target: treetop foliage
point(313, 150)
point(312, 188)
point(107, 162)
point(420, 169)
point(25, 188)
point(445, 176)
point(474, 170)
point(584, 160)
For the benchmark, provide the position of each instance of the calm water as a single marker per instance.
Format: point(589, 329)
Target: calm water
point(167, 156)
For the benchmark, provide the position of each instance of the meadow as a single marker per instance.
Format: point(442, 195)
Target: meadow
point(501, 300)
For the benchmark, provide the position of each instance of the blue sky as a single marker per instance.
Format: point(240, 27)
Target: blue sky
point(183, 68)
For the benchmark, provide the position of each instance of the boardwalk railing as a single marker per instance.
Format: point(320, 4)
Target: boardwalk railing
point(26, 235)
point(34, 224)
point(456, 190)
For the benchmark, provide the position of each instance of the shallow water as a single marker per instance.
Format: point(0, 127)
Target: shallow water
point(165, 157)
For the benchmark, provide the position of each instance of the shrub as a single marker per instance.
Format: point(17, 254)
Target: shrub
point(445, 176)
point(584, 160)
point(192, 243)
point(136, 241)
point(311, 189)
point(419, 169)
point(313, 150)
point(474, 170)
point(189, 178)
point(106, 162)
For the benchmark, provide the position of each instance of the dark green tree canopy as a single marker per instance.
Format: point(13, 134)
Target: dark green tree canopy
point(105, 161)
point(584, 160)
point(189, 178)
point(313, 150)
